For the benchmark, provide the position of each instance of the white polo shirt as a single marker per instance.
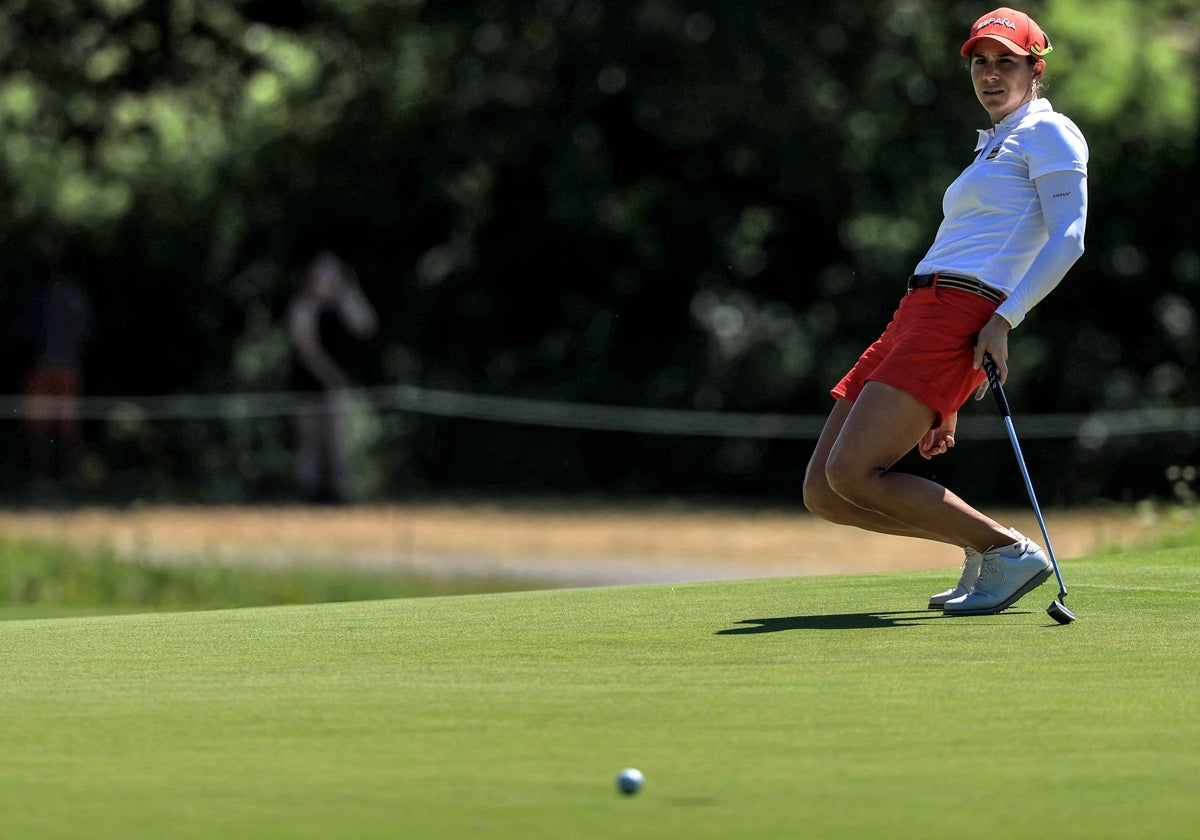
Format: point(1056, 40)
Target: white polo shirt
point(995, 221)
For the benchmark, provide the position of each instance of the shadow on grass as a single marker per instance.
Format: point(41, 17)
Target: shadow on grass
point(839, 621)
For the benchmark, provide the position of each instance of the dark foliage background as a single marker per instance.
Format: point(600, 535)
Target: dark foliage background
point(691, 205)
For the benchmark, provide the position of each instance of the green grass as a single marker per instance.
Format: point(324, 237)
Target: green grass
point(818, 707)
point(43, 580)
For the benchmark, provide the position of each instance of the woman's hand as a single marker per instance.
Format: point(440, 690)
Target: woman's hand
point(940, 440)
point(993, 340)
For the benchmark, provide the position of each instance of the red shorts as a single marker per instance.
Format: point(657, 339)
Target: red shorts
point(927, 350)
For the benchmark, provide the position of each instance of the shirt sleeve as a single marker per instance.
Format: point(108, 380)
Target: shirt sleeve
point(1056, 144)
point(1063, 196)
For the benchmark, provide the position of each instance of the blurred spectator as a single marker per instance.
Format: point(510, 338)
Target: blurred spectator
point(328, 314)
point(55, 317)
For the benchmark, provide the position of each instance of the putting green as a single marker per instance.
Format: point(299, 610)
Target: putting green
point(817, 707)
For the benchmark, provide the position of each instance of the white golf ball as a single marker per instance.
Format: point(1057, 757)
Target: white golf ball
point(630, 780)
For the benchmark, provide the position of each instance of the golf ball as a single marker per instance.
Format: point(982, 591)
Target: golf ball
point(630, 780)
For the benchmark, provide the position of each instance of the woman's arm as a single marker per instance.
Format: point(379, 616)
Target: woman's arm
point(1064, 207)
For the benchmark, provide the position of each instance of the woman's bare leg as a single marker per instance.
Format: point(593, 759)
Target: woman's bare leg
point(881, 426)
point(821, 500)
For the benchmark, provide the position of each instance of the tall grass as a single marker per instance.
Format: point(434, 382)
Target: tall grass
point(44, 579)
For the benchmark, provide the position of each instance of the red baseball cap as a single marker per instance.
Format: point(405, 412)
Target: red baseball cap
point(1015, 30)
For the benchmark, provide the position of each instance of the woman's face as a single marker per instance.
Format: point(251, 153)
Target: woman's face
point(1003, 81)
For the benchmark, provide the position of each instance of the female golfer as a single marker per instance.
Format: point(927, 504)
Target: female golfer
point(1013, 227)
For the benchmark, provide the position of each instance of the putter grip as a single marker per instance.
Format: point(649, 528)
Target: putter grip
point(993, 375)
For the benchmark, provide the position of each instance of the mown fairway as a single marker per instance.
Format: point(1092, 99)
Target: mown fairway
point(818, 707)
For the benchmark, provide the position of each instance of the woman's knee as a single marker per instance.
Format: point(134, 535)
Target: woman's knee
point(845, 479)
point(819, 497)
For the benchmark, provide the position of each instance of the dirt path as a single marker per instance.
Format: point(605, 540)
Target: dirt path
point(582, 545)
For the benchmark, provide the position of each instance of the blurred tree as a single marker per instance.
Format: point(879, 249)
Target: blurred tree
point(703, 204)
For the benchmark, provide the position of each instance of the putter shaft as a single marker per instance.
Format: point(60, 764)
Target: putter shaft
point(993, 375)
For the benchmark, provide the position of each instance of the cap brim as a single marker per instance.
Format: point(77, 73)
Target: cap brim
point(1012, 45)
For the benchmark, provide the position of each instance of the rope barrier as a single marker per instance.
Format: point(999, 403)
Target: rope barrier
point(1090, 428)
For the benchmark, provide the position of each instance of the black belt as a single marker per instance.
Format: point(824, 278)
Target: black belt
point(942, 279)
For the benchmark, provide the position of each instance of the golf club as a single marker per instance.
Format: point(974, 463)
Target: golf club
point(1057, 609)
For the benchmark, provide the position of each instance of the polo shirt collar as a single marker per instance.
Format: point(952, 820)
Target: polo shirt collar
point(1034, 106)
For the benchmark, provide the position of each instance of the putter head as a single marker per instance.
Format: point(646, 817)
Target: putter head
point(1059, 612)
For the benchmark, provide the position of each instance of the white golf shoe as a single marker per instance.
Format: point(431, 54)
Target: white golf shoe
point(1007, 573)
point(970, 573)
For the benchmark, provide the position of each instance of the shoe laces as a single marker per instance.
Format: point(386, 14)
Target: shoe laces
point(990, 569)
point(970, 567)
